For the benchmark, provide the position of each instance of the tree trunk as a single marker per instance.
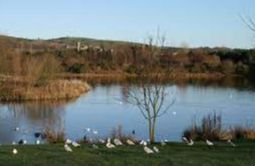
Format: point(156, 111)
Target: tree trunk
point(151, 131)
point(153, 126)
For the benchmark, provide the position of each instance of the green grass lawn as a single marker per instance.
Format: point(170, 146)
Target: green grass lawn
point(176, 154)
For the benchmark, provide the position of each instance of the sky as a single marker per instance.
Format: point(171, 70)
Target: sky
point(194, 22)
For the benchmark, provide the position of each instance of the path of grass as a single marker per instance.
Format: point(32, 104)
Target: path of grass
point(175, 154)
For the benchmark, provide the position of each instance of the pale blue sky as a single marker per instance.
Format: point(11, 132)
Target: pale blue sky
point(196, 22)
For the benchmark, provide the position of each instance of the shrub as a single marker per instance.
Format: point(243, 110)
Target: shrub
point(209, 128)
point(53, 136)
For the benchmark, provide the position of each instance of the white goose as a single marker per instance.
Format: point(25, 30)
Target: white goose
point(185, 139)
point(155, 149)
point(147, 150)
point(163, 143)
point(94, 146)
point(37, 142)
point(14, 151)
point(109, 145)
point(231, 143)
point(209, 143)
point(117, 142)
point(75, 144)
point(68, 148)
point(102, 141)
point(130, 142)
point(190, 143)
point(68, 141)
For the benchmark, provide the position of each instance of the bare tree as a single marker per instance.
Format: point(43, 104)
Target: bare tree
point(150, 96)
point(152, 101)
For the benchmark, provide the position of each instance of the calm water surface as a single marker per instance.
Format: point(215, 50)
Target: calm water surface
point(104, 108)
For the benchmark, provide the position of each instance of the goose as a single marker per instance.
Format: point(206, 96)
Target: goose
point(190, 143)
point(37, 142)
point(163, 143)
point(75, 144)
point(144, 143)
point(15, 151)
point(94, 146)
point(209, 143)
point(25, 142)
point(109, 145)
point(185, 139)
point(67, 148)
point(130, 142)
point(14, 143)
point(147, 150)
point(88, 129)
point(155, 149)
point(16, 129)
point(68, 141)
point(231, 143)
point(102, 141)
point(117, 142)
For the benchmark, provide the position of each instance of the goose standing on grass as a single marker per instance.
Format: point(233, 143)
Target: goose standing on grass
point(231, 143)
point(75, 144)
point(37, 142)
point(68, 148)
point(94, 146)
point(101, 141)
point(130, 142)
point(190, 143)
point(209, 143)
point(68, 141)
point(185, 139)
point(109, 145)
point(14, 151)
point(144, 143)
point(155, 149)
point(117, 142)
point(148, 150)
point(163, 143)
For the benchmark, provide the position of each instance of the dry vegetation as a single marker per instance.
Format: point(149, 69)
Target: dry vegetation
point(33, 77)
point(211, 128)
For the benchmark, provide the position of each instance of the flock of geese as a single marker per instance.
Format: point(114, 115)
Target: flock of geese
point(111, 143)
point(190, 142)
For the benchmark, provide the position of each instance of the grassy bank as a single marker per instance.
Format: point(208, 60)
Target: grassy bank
point(53, 90)
point(176, 154)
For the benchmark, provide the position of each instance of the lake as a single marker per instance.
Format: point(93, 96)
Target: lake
point(104, 108)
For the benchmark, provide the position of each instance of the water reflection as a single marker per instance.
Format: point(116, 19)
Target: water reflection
point(29, 117)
